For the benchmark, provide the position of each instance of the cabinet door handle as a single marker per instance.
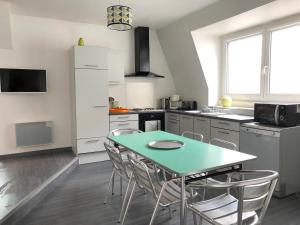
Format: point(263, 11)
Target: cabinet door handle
point(201, 120)
point(92, 141)
point(100, 106)
point(185, 117)
point(223, 123)
point(222, 132)
point(123, 117)
point(90, 65)
point(123, 124)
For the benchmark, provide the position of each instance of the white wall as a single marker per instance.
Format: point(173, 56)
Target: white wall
point(181, 54)
point(5, 34)
point(145, 92)
point(45, 43)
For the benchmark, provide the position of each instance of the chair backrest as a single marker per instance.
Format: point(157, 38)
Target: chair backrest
point(142, 175)
point(116, 160)
point(222, 143)
point(191, 134)
point(254, 194)
point(124, 131)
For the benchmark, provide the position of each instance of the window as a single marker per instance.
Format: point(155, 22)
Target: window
point(265, 65)
point(285, 61)
point(244, 65)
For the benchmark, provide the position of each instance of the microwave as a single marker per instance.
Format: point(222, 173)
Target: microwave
point(283, 115)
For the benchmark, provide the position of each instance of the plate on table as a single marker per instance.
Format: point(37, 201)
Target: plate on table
point(165, 144)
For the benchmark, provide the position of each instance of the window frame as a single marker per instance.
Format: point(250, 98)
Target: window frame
point(226, 42)
point(266, 32)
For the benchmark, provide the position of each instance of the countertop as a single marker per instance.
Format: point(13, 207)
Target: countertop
point(223, 116)
point(137, 112)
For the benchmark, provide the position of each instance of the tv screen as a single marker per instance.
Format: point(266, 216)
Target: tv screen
point(23, 80)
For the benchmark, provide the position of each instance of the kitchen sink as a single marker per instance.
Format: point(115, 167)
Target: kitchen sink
point(213, 113)
point(193, 111)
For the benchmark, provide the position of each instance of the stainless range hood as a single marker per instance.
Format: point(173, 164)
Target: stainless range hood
point(142, 54)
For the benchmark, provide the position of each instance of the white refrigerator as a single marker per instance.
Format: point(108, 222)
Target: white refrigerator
point(90, 103)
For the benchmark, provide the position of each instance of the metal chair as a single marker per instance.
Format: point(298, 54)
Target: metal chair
point(122, 151)
point(222, 143)
point(123, 131)
point(191, 134)
point(254, 191)
point(166, 193)
point(120, 167)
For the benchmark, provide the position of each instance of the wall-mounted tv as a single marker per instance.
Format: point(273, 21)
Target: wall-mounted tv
point(23, 80)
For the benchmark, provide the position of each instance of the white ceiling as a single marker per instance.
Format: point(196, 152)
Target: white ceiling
point(152, 13)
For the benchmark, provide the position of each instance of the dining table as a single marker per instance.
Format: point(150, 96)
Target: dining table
point(193, 157)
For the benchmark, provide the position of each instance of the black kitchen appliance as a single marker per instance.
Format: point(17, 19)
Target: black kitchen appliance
point(189, 105)
point(142, 54)
point(283, 115)
point(152, 120)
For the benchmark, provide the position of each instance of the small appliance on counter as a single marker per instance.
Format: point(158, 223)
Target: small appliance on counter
point(283, 115)
point(175, 102)
point(189, 105)
point(165, 103)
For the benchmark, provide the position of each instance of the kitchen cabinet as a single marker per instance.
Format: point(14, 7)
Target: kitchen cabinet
point(225, 130)
point(115, 67)
point(186, 124)
point(202, 126)
point(127, 121)
point(224, 124)
point(227, 135)
point(172, 123)
point(91, 57)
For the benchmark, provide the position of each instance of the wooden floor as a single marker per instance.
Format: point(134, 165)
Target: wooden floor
point(79, 201)
point(21, 175)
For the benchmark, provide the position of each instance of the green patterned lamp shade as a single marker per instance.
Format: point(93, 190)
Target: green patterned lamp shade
point(119, 17)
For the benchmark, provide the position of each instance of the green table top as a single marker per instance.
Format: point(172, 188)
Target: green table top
point(193, 157)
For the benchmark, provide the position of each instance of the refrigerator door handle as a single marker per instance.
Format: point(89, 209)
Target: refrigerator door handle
point(100, 106)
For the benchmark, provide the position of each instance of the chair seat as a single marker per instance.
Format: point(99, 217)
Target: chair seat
point(221, 210)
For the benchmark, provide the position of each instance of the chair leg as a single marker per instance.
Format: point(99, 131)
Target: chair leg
point(128, 204)
point(121, 186)
point(157, 204)
point(113, 185)
point(170, 212)
point(109, 185)
point(195, 218)
point(124, 199)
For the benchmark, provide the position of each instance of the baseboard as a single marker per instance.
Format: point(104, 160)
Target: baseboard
point(37, 152)
point(92, 157)
point(37, 195)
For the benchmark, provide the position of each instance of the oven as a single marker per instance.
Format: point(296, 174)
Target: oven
point(151, 121)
